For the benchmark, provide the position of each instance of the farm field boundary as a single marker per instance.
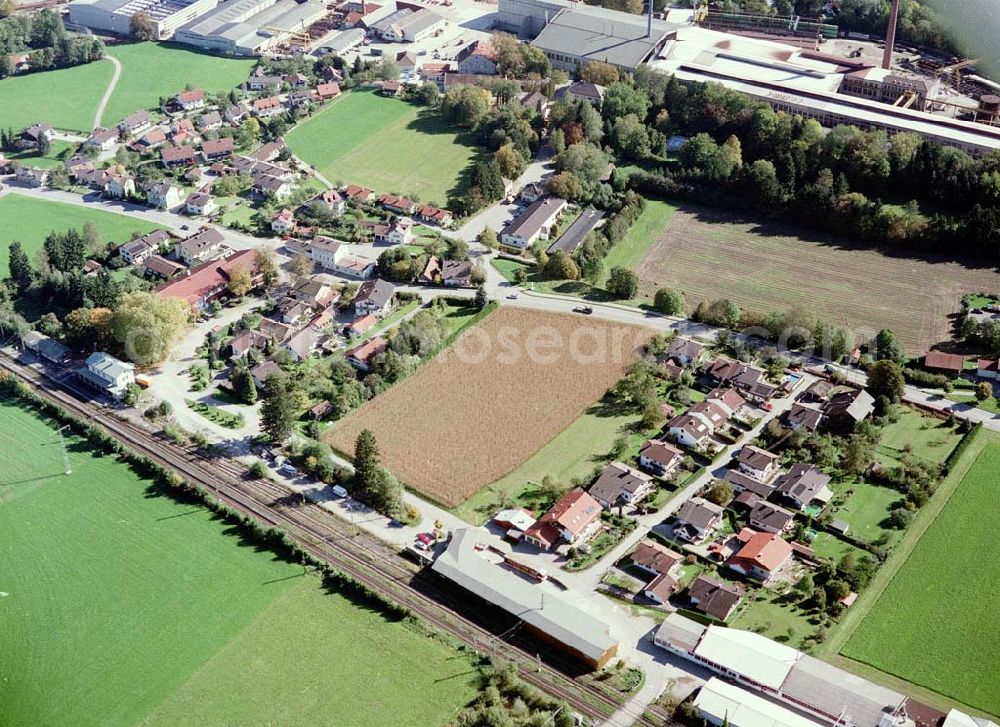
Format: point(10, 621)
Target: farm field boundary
point(477, 415)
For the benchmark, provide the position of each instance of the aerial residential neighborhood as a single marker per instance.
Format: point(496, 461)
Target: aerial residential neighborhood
point(499, 362)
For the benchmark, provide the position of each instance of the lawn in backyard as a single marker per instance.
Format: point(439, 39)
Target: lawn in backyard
point(775, 613)
point(59, 152)
point(763, 266)
point(66, 98)
point(935, 622)
point(30, 220)
point(151, 71)
point(865, 508)
point(386, 144)
point(929, 438)
point(123, 606)
point(832, 548)
point(574, 452)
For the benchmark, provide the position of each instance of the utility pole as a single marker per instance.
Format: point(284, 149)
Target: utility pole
point(65, 454)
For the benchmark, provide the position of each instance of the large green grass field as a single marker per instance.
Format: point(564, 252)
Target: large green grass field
point(151, 71)
point(30, 220)
point(66, 98)
point(935, 622)
point(121, 606)
point(386, 144)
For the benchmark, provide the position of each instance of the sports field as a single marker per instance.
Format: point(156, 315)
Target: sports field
point(121, 606)
point(151, 71)
point(487, 404)
point(709, 254)
point(386, 144)
point(935, 622)
point(66, 98)
point(30, 220)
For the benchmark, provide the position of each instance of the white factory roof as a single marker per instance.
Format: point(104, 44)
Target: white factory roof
point(747, 58)
point(955, 718)
point(246, 23)
point(726, 702)
point(763, 660)
point(538, 607)
point(858, 111)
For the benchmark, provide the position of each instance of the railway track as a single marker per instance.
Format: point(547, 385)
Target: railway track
point(336, 542)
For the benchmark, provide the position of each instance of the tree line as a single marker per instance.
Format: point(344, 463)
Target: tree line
point(902, 190)
point(45, 40)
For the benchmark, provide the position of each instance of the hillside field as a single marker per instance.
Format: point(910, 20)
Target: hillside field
point(487, 404)
point(385, 144)
point(152, 70)
point(30, 220)
point(709, 254)
point(122, 606)
point(935, 622)
point(66, 98)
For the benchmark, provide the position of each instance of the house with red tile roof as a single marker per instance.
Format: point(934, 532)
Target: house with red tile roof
point(363, 355)
point(568, 520)
point(358, 194)
point(950, 364)
point(209, 281)
point(761, 556)
point(326, 91)
point(400, 205)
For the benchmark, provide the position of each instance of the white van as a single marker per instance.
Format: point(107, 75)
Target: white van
point(338, 491)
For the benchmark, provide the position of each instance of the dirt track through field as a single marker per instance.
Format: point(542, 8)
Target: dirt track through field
point(709, 254)
point(468, 418)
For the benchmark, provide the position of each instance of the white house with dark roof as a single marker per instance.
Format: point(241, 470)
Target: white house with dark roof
point(619, 484)
point(804, 484)
point(659, 458)
point(695, 519)
point(106, 373)
point(534, 224)
point(757, 463)
point(374, 296)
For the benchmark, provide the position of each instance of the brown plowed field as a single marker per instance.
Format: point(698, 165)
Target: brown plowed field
point(709, 254)
point(479, 410)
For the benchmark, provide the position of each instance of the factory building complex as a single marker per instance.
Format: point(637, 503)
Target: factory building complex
point(829, 88)
point(114, 16)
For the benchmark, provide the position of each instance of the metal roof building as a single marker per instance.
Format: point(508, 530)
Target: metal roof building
point(246, 27)
point(555, 619)
point(115, 15)
point(719, 702)
point(575, 234)
point(575, 37)
point(823, 691)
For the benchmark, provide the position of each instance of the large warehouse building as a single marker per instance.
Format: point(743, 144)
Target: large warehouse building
point(818, 85)
point(114, 16)
point(572, 34)
point(467, 563)
point(249, 27)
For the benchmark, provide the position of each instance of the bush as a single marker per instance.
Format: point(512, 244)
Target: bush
point(622, 283)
